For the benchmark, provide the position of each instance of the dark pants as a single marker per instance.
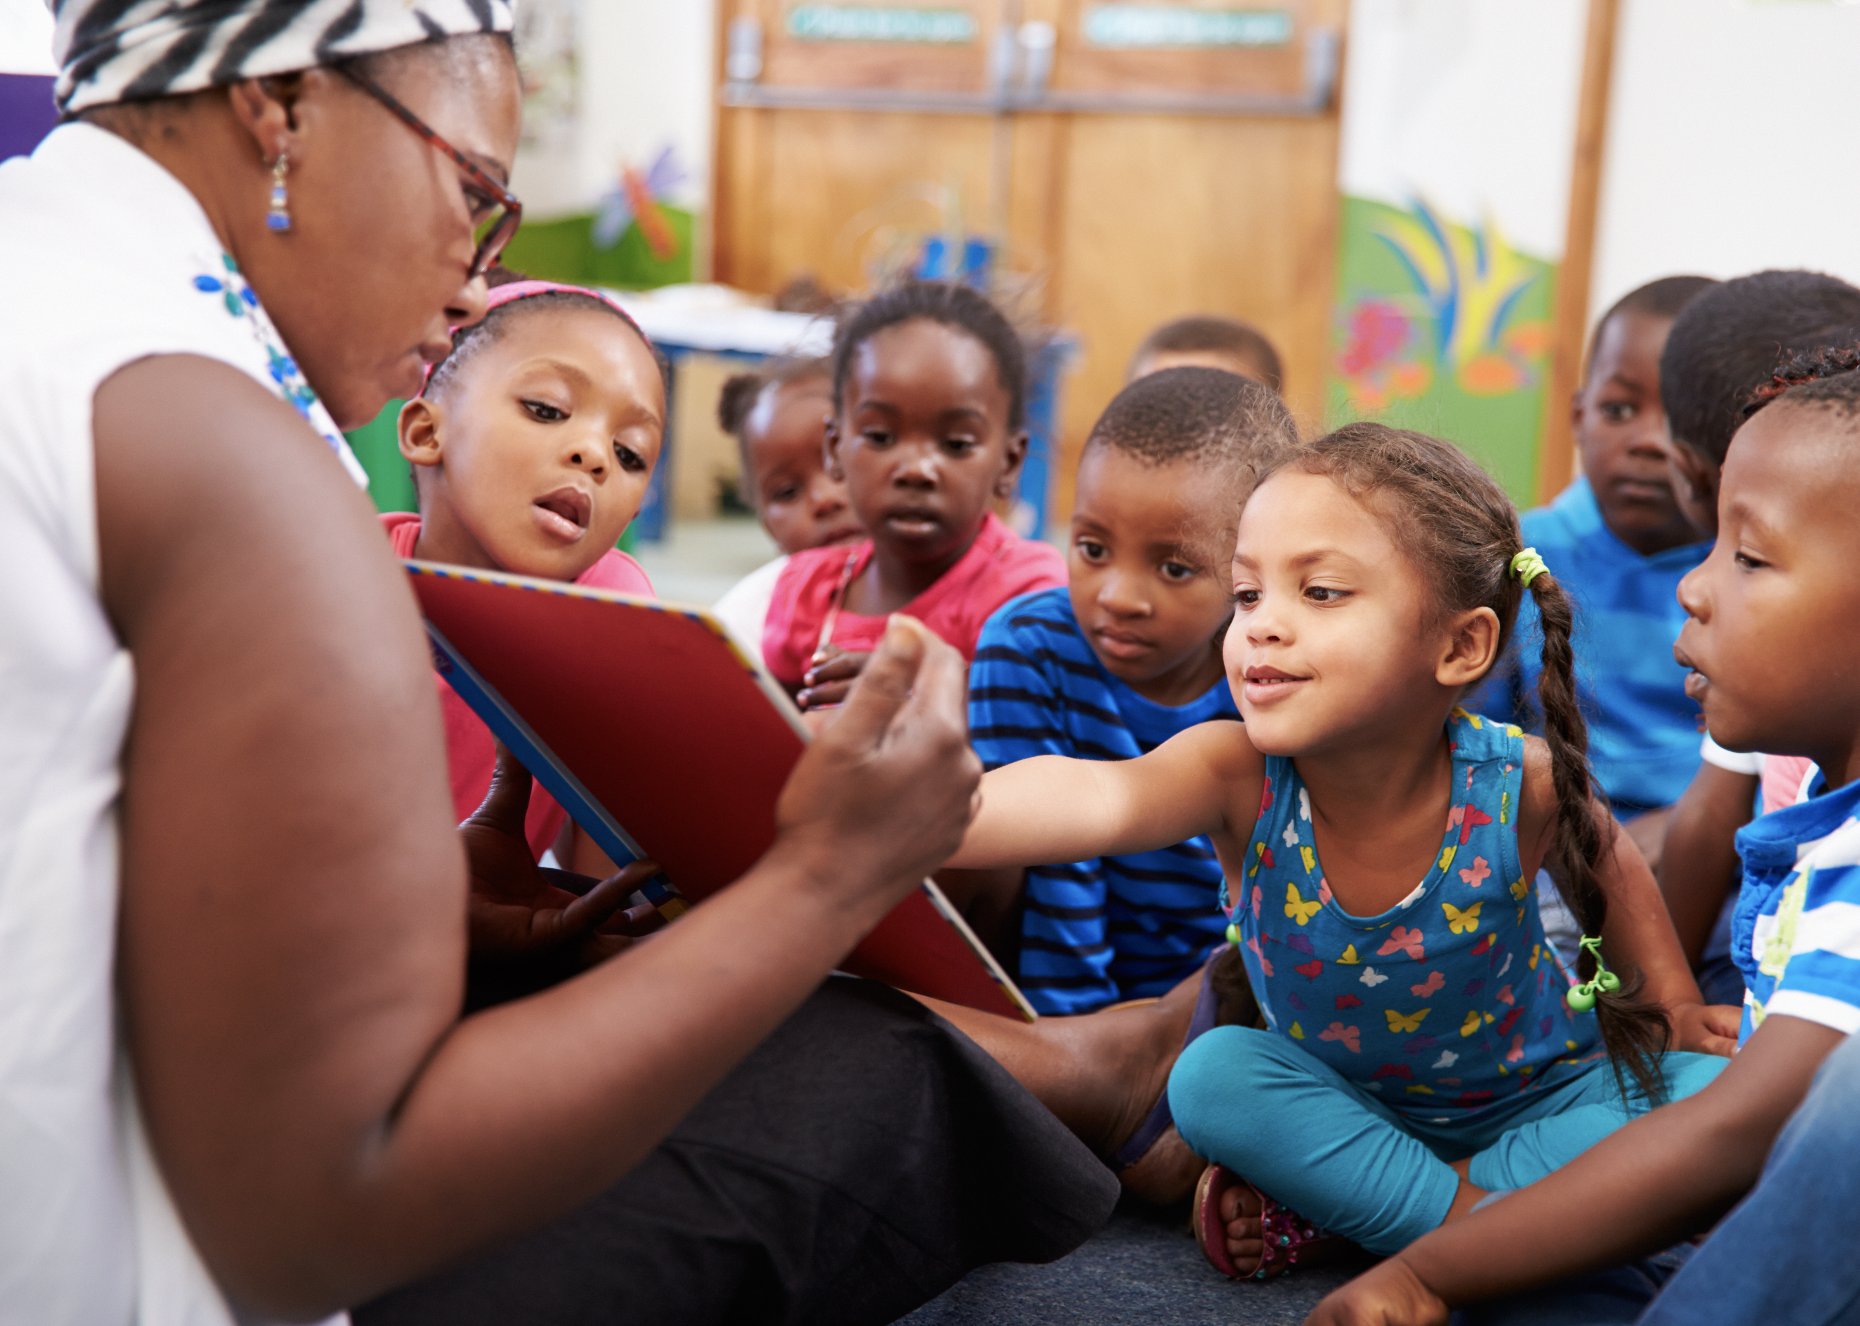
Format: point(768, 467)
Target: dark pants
point(857, 1164)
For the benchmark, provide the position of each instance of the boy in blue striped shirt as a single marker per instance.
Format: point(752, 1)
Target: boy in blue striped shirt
point(1122, 659)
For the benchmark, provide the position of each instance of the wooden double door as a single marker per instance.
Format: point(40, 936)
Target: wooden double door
point(1123, 184)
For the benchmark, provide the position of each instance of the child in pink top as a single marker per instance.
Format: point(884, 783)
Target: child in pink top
point(531, 445)
point(929, 390)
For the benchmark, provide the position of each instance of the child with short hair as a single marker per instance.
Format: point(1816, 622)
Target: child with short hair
point(1773, 633)
point(929, 393)
point(1379, 844)
point(1209, 341)
point(1725, 345)
point(531, 444)
point(778, 416)
point(1119, 661)
point(1620, 544)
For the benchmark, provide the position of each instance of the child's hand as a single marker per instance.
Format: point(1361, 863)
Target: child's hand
point(830, 675)
point(1706, 1028)
point(1388, 1294)
point(513, 910)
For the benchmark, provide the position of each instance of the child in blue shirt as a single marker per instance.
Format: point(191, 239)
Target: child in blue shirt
point(1119, 661)
point(1727, 343)
point(1620, 543)
point(1774, 628)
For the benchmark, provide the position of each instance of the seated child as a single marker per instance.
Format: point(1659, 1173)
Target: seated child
point(1620, 544)
point(779, 419)
point(1726, 344)
point(1122, 659)
point(1774, 631)
point(531, 445)
point(1208, 341)
point(1379, 844)
point(929, 394)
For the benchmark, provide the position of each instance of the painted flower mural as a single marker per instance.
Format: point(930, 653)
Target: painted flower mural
point(1443, 327)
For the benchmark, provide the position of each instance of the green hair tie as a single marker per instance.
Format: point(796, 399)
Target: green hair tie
point(1582, 997)
point(1527, 566)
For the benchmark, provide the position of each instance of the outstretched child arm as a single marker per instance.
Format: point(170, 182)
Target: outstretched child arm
point(1669, 1174)
point(1638, 934)
point(1051, 809)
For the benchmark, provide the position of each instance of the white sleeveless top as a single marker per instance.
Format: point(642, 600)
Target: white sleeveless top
point(110, 260)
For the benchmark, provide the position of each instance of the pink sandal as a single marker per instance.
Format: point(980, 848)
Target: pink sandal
point(1288, 1238)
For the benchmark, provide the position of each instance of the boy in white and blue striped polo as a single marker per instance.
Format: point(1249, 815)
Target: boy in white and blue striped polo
point(1122, 659)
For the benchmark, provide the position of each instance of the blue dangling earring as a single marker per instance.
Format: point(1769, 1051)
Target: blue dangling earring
point(278, 217)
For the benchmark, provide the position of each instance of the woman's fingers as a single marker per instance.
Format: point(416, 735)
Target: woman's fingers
point(890, 673)
point(887, 788)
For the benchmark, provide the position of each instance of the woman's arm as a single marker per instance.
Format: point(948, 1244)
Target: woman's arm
point(1665, 1176)
point(1699, 866)
point(1051, 809)
point(326, 1123)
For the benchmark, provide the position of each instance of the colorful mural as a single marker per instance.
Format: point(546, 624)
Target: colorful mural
point(1442, 327)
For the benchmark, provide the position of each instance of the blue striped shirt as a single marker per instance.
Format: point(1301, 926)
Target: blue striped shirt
point(1115, 927)
point(1796, 931)
point(1643, 731)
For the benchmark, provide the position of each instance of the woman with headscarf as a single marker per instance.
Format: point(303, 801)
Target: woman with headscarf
point(232, 921)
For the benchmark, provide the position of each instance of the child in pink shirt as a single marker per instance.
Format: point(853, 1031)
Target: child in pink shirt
point(531, 445)
point(929, 391)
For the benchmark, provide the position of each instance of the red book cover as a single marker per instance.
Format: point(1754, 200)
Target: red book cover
point(662, 739)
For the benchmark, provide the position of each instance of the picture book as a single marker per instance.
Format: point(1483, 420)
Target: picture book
point(661, 739)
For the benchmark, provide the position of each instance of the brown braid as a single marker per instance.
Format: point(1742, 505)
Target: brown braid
point(1633, 1030)
point(1461, 531)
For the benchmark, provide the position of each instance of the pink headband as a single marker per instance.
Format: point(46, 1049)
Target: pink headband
point(512, 291)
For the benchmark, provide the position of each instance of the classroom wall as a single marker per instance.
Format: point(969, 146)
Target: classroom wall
point(644, 79)
point(1459, 134)
point(1729, 144)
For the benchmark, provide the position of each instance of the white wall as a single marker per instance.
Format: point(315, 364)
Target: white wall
point(25, 38)
point(1731, 142)
point(1469, 104)
point(645, 80)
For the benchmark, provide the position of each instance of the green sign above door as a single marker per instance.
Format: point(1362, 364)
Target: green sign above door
point(1149, 27)
point(937, 27)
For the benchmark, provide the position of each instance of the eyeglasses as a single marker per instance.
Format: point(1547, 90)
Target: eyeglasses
point(507, 213)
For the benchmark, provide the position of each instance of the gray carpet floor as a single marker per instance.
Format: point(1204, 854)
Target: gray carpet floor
point(1142, 1269)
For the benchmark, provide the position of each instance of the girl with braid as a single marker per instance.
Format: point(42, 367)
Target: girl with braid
point(1419, 1044)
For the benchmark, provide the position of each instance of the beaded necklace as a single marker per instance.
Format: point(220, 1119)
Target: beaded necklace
point(241, 302)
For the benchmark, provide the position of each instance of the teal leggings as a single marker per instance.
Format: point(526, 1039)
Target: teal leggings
point(1328, 1148)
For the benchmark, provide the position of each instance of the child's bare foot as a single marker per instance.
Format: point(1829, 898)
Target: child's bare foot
point(1218, 996)
point(1105, 1073)
point(1131, 1050)
point(1102, 1073)
point(1240, 1209)
point(1246, 1235)
point(1165, 1173)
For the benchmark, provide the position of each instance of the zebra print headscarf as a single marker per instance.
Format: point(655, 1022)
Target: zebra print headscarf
point(123, 50)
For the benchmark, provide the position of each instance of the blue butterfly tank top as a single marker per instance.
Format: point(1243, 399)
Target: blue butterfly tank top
point(1447, 1002)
